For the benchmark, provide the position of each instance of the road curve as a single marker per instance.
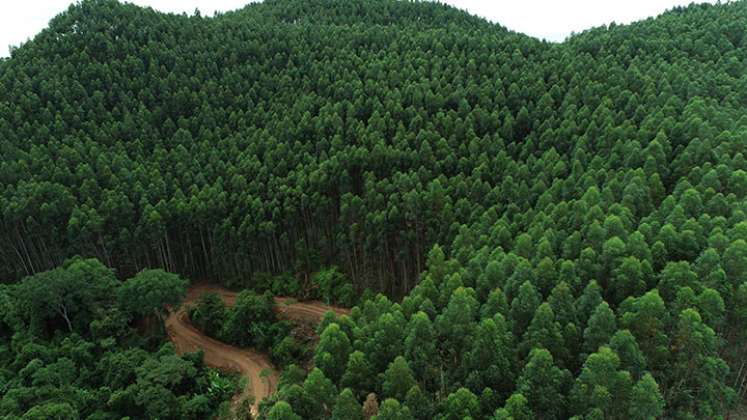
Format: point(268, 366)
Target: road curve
point(254, 365)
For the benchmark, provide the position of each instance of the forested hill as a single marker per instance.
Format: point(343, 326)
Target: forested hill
point(225, 146)
point(412, 144)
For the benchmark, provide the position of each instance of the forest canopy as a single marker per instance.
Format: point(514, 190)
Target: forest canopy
point(555, 230)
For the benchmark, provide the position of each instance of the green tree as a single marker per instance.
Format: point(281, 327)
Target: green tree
point(387, 340)
point(600, 328)
point(601, 387)
point(516, 408)
point(359, 375)
point(491, 359)
point(419, 403)
point(71, 294)
point(52, 411)
point(331, 284)
point(626, 347)
point(347, 407)
point(544, 332)
point(282, 411)
point(151, 292)
point(544, 385)
point(398, 379)
point(675, 276)
point(735, 261)
point(589, 300)
point(392, 410)
point(209, 313)
point(562, 304)
point(460, 404)
point(698, 371)
point(249, 321)
point(457, 321)
point(646, 401)
point(420, 347)
point(524, 306)
point(332, 352)
point(322, 393)
point(646, 317)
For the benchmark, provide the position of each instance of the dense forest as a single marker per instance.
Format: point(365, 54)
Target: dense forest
point(528, 229)
point(70, 349)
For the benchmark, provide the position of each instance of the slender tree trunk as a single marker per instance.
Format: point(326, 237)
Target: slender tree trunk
point(62, 310)
point(20, 257)
point(25, 250)
point(206, 263)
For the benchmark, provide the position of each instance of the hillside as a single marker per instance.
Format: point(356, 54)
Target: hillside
point(557, 230)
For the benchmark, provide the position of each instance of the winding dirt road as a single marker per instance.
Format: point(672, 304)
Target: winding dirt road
point(255, 366)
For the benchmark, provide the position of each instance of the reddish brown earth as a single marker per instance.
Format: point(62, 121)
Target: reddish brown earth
point(254, 365)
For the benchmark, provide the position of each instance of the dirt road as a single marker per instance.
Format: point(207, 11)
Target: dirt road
point(255, 366)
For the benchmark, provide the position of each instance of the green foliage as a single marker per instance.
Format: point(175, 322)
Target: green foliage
point(282, 411)
point(576, 195)
point(601, 388)
point(332, 352)
point(626, 347)
point(209, 313)
point(69, 295)
point(347, 407)
point(524, 306)
point(419, 403)
point(544, 385)
point(601, 326)
point(391, 409)
point(420, 347)
point(491, 360)
point(398, 379)
point(151, 292)
point(287, 351)
point(646, 317)
point(544, 332)
point(516, 408)
point(51, 411)
point(646, 401)
point(359, 375)
point(299, 400)
point(461, 404)
point(109, 371)
point(333, 287)
point(322, 394)
point(249, 323)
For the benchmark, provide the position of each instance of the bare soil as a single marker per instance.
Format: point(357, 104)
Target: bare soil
point(254, 365)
